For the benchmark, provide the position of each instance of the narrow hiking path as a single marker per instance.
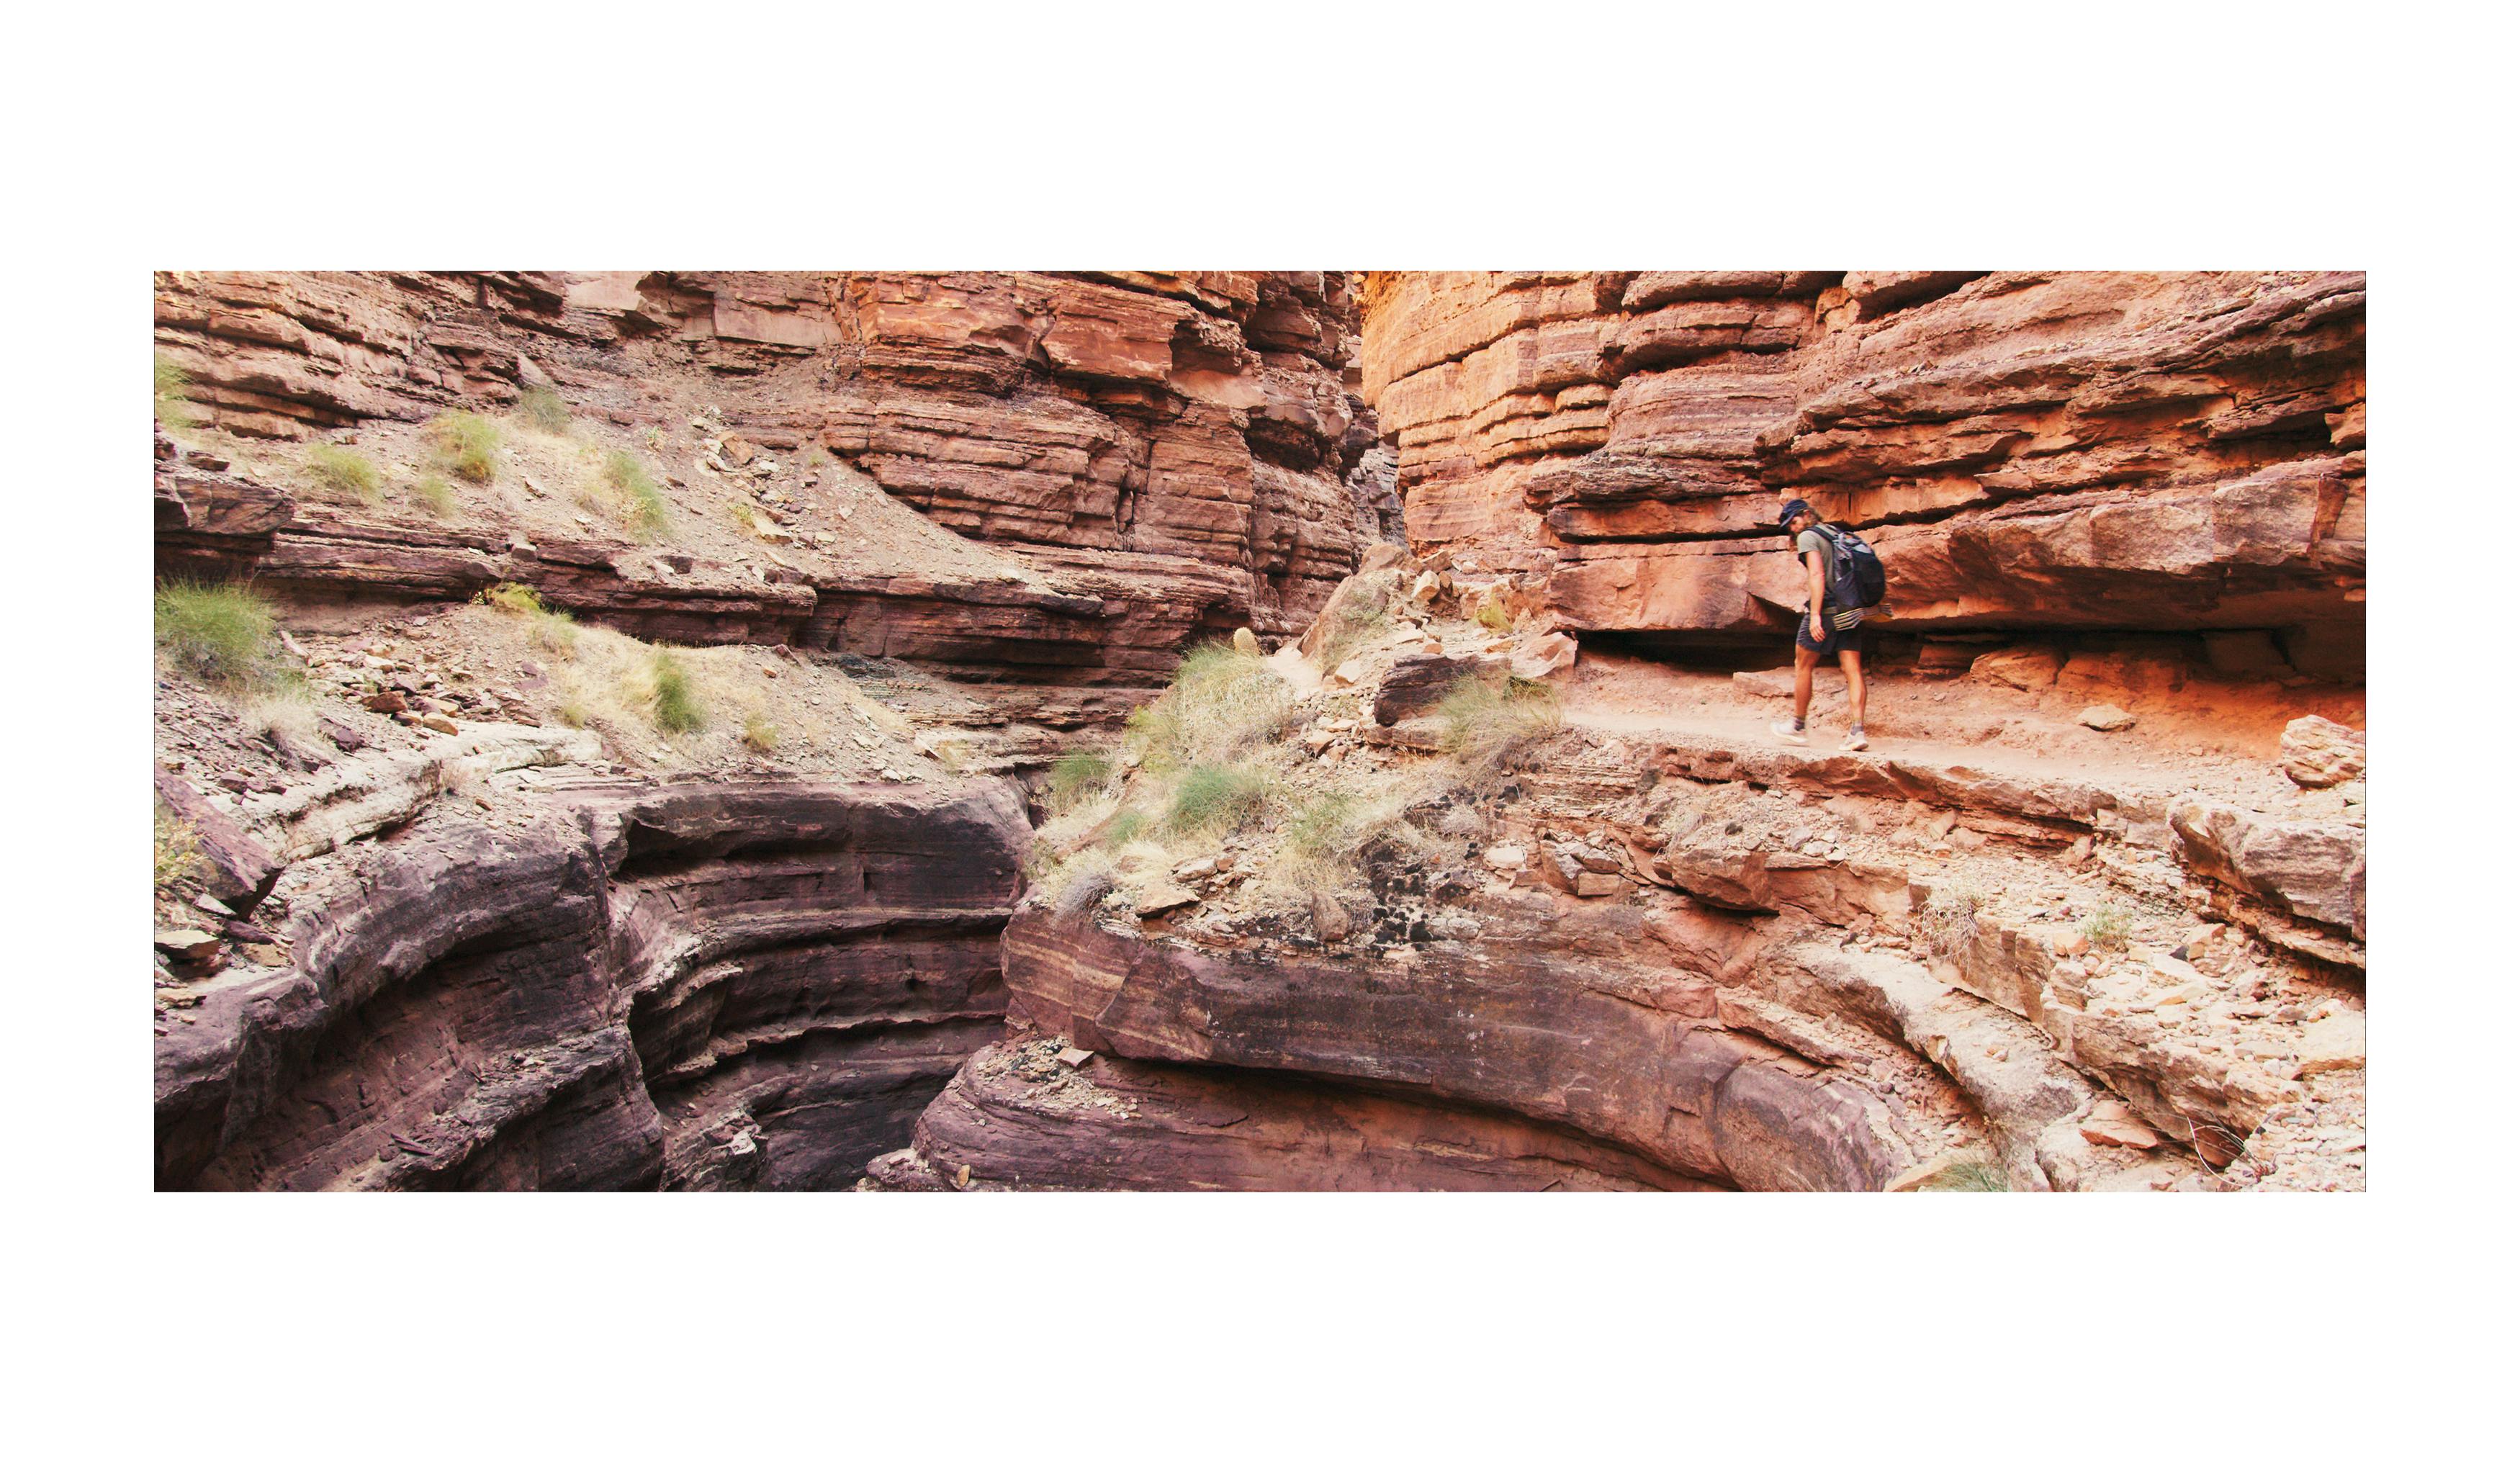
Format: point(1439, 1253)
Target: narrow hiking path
point(2208, 739)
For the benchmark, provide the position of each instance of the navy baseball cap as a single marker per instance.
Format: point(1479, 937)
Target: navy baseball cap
point(1786, 518)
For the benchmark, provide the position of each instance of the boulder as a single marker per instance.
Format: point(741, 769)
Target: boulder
point(2115, 1125)
point(1416, 684)
point(1545, 658)
point(2033, 669)
point(2105, 717)
point(2313, 870)
point(241, 872)
point(2319, 753)
point(2333, 1044)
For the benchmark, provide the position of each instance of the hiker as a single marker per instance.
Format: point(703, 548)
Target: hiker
point(1832, 621)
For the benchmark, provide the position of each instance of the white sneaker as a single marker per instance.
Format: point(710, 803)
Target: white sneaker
point(1855, 742)
point(1785, 733)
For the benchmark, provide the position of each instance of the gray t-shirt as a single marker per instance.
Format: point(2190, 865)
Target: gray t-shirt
point(1809, 542)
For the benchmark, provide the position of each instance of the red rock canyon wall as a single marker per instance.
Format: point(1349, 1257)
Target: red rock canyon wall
point(2157, 452)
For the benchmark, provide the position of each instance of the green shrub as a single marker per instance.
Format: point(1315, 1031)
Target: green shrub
point(760, 734)
point(178, 850)
point(436, 496)
point(223, 634)
point(1077, 777)
point(646, 502)
point(2108, 926)
point(345, 470)
point(544, 411)
point(174, 384)
point(1970, 1178)
point(464, 445)
point(677, 705)
point(1218, 705)
point(1486, 724)
point(1219, 798)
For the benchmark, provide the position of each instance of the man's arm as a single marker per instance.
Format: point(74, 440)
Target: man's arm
point(1819, 595)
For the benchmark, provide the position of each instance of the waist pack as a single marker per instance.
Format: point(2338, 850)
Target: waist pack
point(1857, 578)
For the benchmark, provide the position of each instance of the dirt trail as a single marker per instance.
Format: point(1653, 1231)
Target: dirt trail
point(2211, 738)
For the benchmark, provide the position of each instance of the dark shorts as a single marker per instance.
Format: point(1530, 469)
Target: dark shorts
point(1852, 638)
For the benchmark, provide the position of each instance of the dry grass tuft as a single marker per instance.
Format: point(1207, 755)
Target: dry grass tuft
point(552, 629)
point(2108, 926)
point(434, 495)
point(464, 445)
point(289, 712)
point(173, 399)
point(542, 409)
point(1970, 1178)
point(1949, 919)
point(1487, 726)
point(1078, 777)
point(760, 734)
point(221, 634)
point(676, 705)
point(1221, 706)
point(345, 470)
point(643, 500)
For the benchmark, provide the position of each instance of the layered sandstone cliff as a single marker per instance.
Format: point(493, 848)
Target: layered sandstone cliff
point(1150, 455)
point(2028, 450)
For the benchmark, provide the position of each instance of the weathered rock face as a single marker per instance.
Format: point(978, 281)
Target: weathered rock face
point(1016, 1116)
point(2172, 452)
point(751, 986)
point(1510, 1031)
point(1168, 450)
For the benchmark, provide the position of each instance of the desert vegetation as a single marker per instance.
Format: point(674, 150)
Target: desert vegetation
point(541, 407)
point(173, 405)
point(344, 472)
point(434, 495)
point(1487, 724)
point(2108, 926)
point(464, 445)
point(178, 850)
point(625, 490)
point(223, 635)
point(676, 706)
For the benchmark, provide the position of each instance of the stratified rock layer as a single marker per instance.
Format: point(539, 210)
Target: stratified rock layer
point(2025, 449)
point(1017, 1116)
point(757, 986)
point(1169, 450)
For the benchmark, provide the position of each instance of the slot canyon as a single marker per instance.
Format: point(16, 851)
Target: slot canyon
point(972, 732)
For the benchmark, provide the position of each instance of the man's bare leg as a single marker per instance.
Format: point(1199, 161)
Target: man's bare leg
point(1852, 663)
point(1792, 730)
point(1805, 661)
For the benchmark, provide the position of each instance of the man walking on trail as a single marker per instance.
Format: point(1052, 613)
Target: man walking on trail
point(1832, 624)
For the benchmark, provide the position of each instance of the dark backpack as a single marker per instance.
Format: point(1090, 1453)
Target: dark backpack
point(1859, 568)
